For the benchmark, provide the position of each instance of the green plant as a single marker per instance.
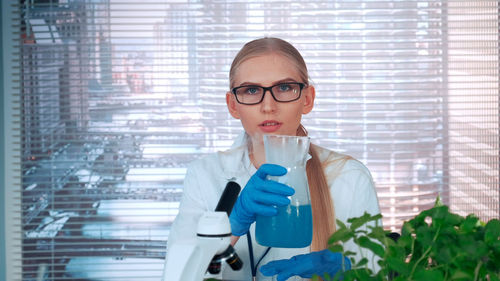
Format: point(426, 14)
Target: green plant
point(435, 245)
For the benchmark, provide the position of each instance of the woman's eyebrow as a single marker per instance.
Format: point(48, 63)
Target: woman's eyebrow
point(274, 83)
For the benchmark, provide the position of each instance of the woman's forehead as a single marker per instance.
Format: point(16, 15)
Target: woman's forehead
point(266, 69)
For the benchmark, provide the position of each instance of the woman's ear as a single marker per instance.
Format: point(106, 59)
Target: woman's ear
point(309, 95)
point(231, 105)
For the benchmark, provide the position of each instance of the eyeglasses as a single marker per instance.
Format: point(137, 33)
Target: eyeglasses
point(283, 92)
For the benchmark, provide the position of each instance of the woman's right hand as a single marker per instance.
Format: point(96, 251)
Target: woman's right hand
point(260, 196)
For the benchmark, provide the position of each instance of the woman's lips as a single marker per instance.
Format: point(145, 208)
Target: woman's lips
point(269, 126)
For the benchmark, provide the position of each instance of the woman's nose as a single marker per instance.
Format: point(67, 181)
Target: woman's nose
point(268, 104)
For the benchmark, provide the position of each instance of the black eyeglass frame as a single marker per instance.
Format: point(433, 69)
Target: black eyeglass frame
point(265, 89)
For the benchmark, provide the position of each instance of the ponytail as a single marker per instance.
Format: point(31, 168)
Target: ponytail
point(321, 201)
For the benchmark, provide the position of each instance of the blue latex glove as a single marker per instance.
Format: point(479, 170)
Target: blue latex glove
point(259, 197)
point(307, 265)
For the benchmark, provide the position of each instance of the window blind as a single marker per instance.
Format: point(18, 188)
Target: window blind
point(112, 99)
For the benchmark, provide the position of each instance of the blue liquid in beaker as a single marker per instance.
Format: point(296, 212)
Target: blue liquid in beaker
point(290, 228)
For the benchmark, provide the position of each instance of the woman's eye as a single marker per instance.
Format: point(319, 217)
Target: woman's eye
point(252, 91)
point(284, 87)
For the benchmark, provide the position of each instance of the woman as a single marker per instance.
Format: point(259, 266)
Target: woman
point(270, 92)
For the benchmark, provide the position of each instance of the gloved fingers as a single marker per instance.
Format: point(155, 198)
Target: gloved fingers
point(238, 228)
point(258, 205)
point(328, 261)
point(305, 265)
point(270, 186)
point(266, 198)
point(283, 268)
point(240, 213)
point(328, 257)
point(287, 273)
point(275, 187)
point(265, 210)
point(275, 267)
point(271, 170)
point(259, 197)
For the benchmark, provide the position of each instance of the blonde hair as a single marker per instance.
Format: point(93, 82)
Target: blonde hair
point(321, 201)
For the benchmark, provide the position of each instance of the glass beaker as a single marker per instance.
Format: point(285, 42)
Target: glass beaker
point(292, 226)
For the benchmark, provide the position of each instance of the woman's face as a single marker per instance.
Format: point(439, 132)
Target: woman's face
point(269, 116)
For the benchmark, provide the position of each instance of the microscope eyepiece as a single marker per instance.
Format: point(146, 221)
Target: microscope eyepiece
point(230, 256)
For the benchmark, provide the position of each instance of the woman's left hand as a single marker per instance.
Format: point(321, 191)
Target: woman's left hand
point(307, 265)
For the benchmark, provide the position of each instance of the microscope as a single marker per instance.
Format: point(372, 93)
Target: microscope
point(202, 257)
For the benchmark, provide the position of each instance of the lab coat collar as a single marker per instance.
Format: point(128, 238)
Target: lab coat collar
point(236, 160)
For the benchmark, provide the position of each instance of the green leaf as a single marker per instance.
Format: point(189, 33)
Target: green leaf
point(362, 262)
point(440, 212)
point(407, 229)
point(377, 249)
point(396, 252)
point(428, 275)
point(336, 248)
point(342, 234)
point(358, 274)
point(453, 219)
point(492, 231)
point(378, 233)
point(469, 224)
point(405, 241)
point(420, 218)
point(398, 265)
point(359, 221)
point(494, 277)
point(376, 217)
point(444, 255)
point(339, 275)
point(349, 253)
point(341, 224)
point(459, 274)
point(425, 235)
point(481, 249)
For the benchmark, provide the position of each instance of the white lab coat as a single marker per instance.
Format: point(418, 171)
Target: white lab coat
point(351, 188)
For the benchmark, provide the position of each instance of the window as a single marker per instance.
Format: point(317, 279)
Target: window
point(112, 99)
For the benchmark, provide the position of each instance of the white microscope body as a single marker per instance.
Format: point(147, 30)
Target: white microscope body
point(188, 260)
